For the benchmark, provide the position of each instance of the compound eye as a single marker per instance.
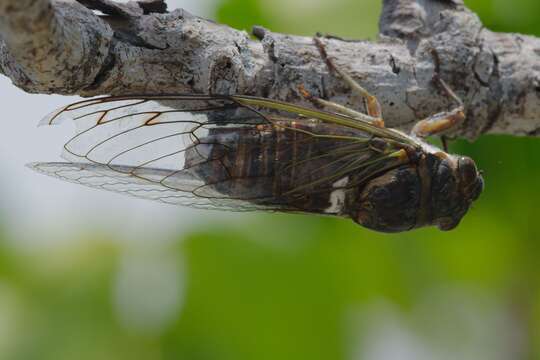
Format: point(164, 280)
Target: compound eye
point(478, 188)
point(472, 183)
point(467, 170)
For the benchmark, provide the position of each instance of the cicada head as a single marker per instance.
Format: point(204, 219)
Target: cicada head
point(456, 184)
point(438, 191)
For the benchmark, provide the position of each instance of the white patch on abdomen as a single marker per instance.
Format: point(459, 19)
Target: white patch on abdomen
point(337, 197)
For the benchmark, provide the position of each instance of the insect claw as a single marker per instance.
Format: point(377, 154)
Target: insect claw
point(322, 51)
point(436, 61)
point(302, 90)
point(437, 79)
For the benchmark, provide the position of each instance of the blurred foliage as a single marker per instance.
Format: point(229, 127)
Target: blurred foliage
point(302, 287)
point(243, 14)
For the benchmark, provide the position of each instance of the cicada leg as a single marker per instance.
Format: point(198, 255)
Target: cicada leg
point(438, 124)
point(444, 142)
point(336, 107)
point(373, 107)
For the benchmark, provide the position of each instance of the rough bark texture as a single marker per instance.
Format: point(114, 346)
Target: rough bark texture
point(51, 46)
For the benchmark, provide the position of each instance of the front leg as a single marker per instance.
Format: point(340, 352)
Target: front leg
point(338, 108)
point(438, 124)
point(373, 106)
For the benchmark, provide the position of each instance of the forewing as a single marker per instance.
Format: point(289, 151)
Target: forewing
point(147, 131)
point(138, 146)
point(164, 148)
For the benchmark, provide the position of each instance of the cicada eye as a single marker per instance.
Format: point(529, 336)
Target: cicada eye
point(478, 188)
point(471, 182)
point(467, 170)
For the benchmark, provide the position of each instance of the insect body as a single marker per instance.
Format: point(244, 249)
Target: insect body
point(246, 153)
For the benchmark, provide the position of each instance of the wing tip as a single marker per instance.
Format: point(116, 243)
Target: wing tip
point(33, 165)
point(52, 118)
point(42, 167)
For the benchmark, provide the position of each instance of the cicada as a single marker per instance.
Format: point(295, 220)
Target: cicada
point(245, 153)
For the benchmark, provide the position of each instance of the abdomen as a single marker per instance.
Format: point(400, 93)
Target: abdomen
point(273, 165)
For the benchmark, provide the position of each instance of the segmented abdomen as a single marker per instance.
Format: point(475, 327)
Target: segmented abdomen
point(278, 164)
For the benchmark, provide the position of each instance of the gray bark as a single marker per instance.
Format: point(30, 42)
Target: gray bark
point(63, 47)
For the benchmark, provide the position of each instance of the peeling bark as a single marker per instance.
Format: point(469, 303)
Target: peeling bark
point(51, 46)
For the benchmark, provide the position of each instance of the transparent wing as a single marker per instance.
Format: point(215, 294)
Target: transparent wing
point(102, 177)
point(210, 151)
point(150, 131)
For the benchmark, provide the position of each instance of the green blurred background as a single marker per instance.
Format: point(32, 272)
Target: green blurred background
point(293, 286)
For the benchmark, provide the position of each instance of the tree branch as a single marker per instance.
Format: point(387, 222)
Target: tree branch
point(139, 47)
point(51, 49)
